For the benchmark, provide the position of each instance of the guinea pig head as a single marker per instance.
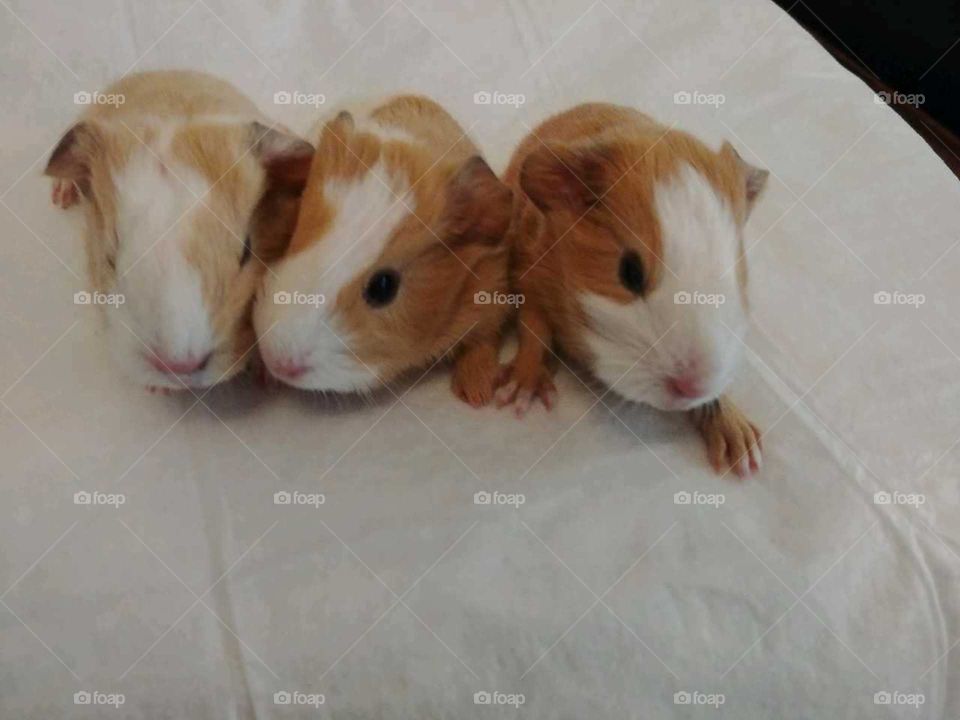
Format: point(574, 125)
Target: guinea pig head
point(181, 219)
point(390, 249)
point(649, 244)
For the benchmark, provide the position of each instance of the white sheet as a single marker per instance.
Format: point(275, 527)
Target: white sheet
point(599, 597)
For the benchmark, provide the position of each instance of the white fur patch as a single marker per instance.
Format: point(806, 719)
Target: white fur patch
point(385, 132)
point(361, 111)
point(164, 304)
point(310, 332)
point(693, 321)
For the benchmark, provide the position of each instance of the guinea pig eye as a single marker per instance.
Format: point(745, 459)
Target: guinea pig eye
point(247, 251)
point(631, 272)
point(382, 288)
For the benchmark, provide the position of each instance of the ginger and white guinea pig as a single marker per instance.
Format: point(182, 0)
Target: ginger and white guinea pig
point(397, 259)
point(188, 190)
point(630, 256)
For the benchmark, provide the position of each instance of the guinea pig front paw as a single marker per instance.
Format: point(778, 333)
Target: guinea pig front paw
point(158, 390)
point(475, 374)
point(733, 442)
point(64, 194)
point(520, 386)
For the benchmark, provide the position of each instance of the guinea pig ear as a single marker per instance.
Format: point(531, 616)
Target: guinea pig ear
point(335, 133)
point(478, 207)
point(754, 178)
point(560, 177)
point(284, 156)
point(345, 154)
point(71, 158)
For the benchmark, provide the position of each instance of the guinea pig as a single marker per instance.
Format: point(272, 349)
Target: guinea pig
point(188, 192)
point(397, 260)
point(628, 249)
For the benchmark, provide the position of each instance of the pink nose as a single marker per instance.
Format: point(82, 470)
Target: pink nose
point(685, 386)
point(178, 365)
point(287, 368)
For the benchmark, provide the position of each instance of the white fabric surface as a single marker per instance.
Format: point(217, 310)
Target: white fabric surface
point(399, 598)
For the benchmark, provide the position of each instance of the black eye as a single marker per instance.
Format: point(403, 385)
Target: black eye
point(247, 251)
point(382, 288)
point(631, 272)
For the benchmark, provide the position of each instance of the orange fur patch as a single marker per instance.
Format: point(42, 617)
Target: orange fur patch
point(447, 247)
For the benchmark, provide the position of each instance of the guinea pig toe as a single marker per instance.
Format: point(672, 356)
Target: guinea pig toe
point(548, 394)
point(472, 396)
point(743, 467)
point(474, 388)
point(507, 393)
point(64, 193)
point(522, 403)
point(756, 459)
point(717, 452)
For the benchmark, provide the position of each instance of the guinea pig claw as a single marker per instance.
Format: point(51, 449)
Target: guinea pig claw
point(157, 390)
point(522, 403)
point(743, 467)
point(522, 393)
point(64, 193)
point(733, 442)
point(506, 394)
